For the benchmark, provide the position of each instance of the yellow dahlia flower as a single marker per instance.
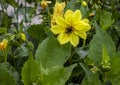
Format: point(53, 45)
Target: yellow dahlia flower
point(71, 27)
point(58, 11)
point(3, 44)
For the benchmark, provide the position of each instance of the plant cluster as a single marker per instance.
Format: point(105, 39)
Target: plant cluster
point(59, 42)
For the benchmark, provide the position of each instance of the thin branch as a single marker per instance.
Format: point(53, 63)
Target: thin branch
point(25, 14)
point(17, 15)
point(1, 3)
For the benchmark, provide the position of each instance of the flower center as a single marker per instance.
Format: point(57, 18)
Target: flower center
point(68, 30)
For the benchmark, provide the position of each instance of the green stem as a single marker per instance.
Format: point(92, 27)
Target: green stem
point(5, 55)
point(5, 58)
point(73, 52)
point(71, 57)
point(17, 15)
point(25, 14)
point(1, 3)
point(104, 78)
point(84, 43)
point(43, 17)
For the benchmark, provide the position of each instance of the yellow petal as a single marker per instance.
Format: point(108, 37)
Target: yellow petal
point(74, 39)
point(56, 29)
point(63, 38)
point(81, 34)
point(58, 11)
point(81, 26)
point(68, 13)
point(60, 21)
point(78, 15)
point(69, 16)
point(85, 20)
point(58, 8)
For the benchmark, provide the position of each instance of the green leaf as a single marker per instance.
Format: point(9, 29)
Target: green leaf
point(90, 78)
point(114, 74)
point(37, 32)
point(116, 79)
point(21, 52)
point(73, 5)
point(105, 59)
point(82, 52)
point(5, 77)
point(30, 71)
point(3, 30)
point(115, 67)
point(106, 20)
point(12, 2)
point(83, 11)
point(99, 39)
point(30, 1)
point(51, 53)
point(5, 20)
point(56, 75)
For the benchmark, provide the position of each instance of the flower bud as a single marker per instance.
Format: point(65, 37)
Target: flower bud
point(3, 44)
point(23, 36)
point(91, 14)
point(94, 69)
point(84, 3)
point(44, 4)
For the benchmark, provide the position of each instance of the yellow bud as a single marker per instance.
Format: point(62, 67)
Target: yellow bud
point(23, 36)
point(91, 14)
point(84, 3)
point(44, 4)
point(3, 44)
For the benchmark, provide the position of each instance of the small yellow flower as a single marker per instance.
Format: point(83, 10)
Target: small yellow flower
point(70, 27)
point(3, 44)
point(58, 11)
point(23, 37)
point(84, 3)
point(44, 4)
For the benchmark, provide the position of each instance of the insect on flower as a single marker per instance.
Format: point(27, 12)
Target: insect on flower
point(70, 27)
